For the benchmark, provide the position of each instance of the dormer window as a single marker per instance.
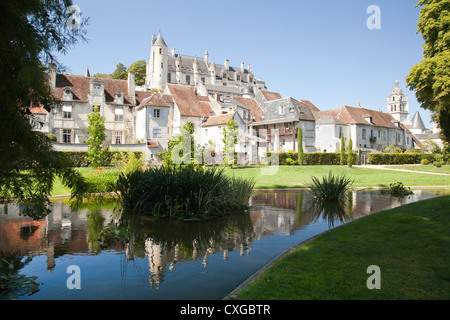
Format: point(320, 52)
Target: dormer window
point(97, 90)
point(238, 77)
point(67, 94)
point(118, 98)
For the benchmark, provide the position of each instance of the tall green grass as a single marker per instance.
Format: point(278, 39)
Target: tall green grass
point(186, 192)
point(330, 188)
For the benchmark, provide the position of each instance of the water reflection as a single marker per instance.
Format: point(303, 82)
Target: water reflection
point(166, 244)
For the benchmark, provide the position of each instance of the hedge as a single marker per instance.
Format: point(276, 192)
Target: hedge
point(400, 158)
point(311, 158)
point(79, 158)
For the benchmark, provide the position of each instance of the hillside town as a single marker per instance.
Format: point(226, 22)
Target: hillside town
point(179, 89)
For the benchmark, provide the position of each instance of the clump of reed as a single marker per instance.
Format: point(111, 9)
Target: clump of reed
point(186, 192)
point(330, 188)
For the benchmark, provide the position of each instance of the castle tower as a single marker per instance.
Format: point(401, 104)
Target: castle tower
point(212, 72)
point(178, 68)
point(196, 67)
point(157, 66)
point(397, 104)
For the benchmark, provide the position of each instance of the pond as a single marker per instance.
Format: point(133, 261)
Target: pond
point(148, 258)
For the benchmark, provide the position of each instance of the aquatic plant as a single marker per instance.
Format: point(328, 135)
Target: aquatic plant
point(330, 188)
point(397, 189)
point(188, 192)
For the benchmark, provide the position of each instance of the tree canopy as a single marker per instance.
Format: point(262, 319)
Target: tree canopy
point(31, 33)
point(120, 72)
point(430, 78)
point(139, 68)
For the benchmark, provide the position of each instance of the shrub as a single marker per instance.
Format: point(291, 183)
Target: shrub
point(52, 137)
point(398, 190)
point(437, 164)
point(424, 161)
point(185, 192)
point(290, 161)
point(330, 188)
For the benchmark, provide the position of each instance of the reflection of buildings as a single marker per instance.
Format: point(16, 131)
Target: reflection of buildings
point(61, 232)
point(166, 243)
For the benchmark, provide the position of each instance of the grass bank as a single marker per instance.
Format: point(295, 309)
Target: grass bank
point(410, 245)
point(300, 176)
point(419, 167)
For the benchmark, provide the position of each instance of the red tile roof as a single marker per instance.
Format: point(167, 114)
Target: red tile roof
point(156, 99)
point(80, 86)
point(269, 96)
point(255, 109)
point(218, 120)
point(189, 103)
point(354, 115)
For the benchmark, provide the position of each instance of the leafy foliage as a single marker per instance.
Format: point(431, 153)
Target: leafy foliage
point(430, 78)
point(31, 32)
point(300, 145)
point(120, 73)
point(397, 189)
point(96, 128)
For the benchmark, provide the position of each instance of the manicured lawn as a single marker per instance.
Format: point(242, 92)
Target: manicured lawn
point(60, 189)
point(426, 168)
point(299, 176)
point(410, 245)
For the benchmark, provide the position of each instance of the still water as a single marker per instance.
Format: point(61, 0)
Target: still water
point(148, 258)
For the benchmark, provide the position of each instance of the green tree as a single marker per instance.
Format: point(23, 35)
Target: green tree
point(120, 73)
point(97, 153)
point(230, 136)
point(430, 78)
point(177, 145)
point(139, 68)
point(351, 157)
point(342, 153)
point(300, 144)
point(31, 34)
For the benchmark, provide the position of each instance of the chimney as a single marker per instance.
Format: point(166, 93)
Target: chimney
point(173, 52)
point(52, 74)
point(131, 86)
point(242, 67)
point(216, 96)
point(226, 64)
point(249, 69)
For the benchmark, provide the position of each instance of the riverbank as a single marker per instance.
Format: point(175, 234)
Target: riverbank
point(297, 177)
point(409, 244)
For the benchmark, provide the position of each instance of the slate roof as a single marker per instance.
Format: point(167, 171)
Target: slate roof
point(416, 122)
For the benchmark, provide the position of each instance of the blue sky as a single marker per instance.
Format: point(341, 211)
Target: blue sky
point(319, 50)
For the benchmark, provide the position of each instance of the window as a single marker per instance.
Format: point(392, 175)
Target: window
point(118, 137)
point(340, 132)
point(206, 132)
point(203, 80)
point(67, 136)
point(156, 113)
point(168, 78)
point(224, 76)
point(188, 79)
point(160, 50)
point(156, 132)
point(162, 65)
point(118, 115)
point(67, 111)
point(281, 109)
point(364, 134)
point(384, 136)
point(238, 77)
